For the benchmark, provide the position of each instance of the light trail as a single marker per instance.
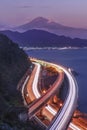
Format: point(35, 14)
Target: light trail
point(22, 91)
point(61, 120)
point(72, 126)
point(54, 112)
point(35, 89)
point(35, 81)
point(35, 106)
point(35, 86)
point(49, 108)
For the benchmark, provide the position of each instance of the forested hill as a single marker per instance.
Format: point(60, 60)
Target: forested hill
point(13, 65)
point(40, 38)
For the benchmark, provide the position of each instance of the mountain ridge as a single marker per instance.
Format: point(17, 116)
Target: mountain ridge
point(39, 20)
point(53, 27)
point(40, 38)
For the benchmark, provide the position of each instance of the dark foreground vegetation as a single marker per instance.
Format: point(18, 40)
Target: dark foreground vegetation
point(13, 65)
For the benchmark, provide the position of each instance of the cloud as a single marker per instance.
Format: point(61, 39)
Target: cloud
point(26, 6)
point(30, 6)
point(44, 6)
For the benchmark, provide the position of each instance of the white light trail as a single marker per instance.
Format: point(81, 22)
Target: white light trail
point(74, 127)
point(69, 105)
point(35, 82)
point(51, 110)
point(23, 86)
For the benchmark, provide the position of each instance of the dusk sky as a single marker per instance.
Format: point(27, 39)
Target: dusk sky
point(67, 12)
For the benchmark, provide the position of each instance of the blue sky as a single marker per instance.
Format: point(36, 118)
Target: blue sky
point(67, 12)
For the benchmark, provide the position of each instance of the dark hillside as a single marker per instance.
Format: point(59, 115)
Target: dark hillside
point(13, 65)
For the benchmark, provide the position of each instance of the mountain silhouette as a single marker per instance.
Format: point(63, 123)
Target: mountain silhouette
point(40, 38)
point(53, 27)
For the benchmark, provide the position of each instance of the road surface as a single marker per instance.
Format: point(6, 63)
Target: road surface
point(62, 119)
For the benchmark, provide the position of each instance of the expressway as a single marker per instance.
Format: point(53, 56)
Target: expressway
point(22, 91)
point(29, 85)
point(54, 112)
point(35, 86)
point(35, 81)
point(45, 97)
point(62, 118)
point(51, 110)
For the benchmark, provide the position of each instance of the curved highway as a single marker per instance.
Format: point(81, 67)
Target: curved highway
point(35, 81)
point(30, 84)
point(22, 91)
point(49, 108)
point(35, 86)
point(53, 112)
point(45, 97)
point(62, 119)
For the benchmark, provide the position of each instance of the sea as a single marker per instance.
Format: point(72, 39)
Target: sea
point(75, 58)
